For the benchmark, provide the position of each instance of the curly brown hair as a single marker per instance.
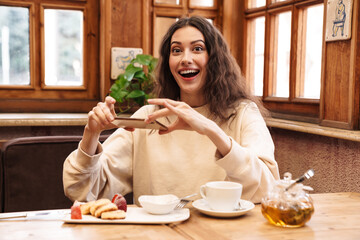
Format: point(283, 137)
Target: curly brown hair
point(225, 85)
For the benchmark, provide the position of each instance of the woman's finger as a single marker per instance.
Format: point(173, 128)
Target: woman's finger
point(110, 100)
point(101, 114)
point(170, 128)
point(94, 119)
point(169, 105)
point(110, 103)
point(129, 129)
point(106, 111)
point(157, 114)
point(161, 101)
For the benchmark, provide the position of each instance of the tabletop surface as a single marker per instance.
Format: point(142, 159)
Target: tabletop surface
point(337, 216)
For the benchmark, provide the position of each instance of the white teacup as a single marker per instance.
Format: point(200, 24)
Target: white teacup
point(222, 195)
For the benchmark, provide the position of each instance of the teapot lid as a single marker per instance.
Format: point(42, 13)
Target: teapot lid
point(287, 181)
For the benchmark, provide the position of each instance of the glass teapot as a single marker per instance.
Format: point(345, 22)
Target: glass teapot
point(288, 206)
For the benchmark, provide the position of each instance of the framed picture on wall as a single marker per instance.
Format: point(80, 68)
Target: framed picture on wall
point(338, 19)
point(120, 59)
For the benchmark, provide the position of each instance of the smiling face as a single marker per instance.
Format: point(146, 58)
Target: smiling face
point(187, 61)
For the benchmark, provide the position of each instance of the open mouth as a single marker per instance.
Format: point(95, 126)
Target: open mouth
point(189, 73)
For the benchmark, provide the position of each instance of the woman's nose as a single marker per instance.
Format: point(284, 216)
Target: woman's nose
point(187, 58)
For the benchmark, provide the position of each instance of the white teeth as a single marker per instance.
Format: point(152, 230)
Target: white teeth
point(188, 71)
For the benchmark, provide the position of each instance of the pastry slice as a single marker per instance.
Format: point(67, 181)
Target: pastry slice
point(85, 208)
point(118, 214)
point(97, 204)
point(105, 208)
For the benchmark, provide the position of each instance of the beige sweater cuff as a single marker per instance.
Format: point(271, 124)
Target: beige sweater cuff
point(235, 160)
point(85, 162)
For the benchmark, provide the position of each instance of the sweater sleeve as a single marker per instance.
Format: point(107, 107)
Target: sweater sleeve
point(251, 160)
point(108, 172)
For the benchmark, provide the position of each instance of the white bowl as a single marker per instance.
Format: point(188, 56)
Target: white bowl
point(159, 204)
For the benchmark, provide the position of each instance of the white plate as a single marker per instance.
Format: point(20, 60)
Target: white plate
point(137, 215)
point(203, 207)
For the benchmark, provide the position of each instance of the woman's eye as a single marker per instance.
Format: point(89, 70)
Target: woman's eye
point(198, 49)
point(175, 50)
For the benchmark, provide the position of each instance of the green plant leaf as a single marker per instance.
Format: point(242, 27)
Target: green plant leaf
point(135, 94)
point(121, 82)
point(152, 64)
point(135, 86)
point(130, 71)
point(114, 88)
point(143, 59)
point(119, 96)
point(140, 100)
point(140, 76)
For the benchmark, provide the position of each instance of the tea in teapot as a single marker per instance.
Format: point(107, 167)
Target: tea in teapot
point(288, 207)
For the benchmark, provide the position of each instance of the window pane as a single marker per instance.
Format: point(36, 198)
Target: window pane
point(283, 54)
point(210, 21)
point(275, 1)
point(63, 47)
point(314, 30)
point(177, 2)
point(14, 46)
point(162, 24)
point(255, 54)
point(202, 3)
point(256, 3)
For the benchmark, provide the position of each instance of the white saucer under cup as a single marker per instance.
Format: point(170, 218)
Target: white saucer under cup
point(221, 195)
point(204, 208)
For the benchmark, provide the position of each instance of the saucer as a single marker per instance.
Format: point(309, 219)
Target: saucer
point(203, 207)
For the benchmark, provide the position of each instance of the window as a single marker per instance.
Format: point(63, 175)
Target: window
point(166, 12)
point(48, 55)
point(15, 49)
point(63, 31)
point(283, 55)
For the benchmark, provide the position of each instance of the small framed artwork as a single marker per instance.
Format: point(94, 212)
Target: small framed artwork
point(120, 59)
point(338, 19)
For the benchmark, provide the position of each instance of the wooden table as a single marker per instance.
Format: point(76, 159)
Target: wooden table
point(337, 216)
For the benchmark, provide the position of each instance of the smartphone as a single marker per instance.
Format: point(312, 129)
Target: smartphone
point(137, 123)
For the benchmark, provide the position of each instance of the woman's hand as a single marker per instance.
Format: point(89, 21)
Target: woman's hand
point(188, 118)
point(101, 116)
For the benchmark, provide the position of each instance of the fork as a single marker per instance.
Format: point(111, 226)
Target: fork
point(184, 201)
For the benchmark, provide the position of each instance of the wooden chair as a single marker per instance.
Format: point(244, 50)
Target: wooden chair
point(31, 173)
point(1, 182)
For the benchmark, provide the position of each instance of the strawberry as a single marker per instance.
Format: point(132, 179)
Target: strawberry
point(76, 212)
point(120, 202)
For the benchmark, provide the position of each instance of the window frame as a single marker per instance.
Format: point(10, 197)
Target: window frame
point(184, 9)
point(37, 97)
point(293, 107)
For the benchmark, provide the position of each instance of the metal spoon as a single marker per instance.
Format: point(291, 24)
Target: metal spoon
point(306, 175)
point(239, 207)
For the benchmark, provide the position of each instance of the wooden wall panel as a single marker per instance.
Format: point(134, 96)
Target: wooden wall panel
point(126, 23)
point(233, 29)
point(120, 26)
point(337, 81)
point(340, 79)
point(356, 72)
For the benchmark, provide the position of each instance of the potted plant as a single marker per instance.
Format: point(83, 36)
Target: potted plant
point(133, 87)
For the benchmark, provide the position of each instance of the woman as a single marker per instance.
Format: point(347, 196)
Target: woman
point(215, 131)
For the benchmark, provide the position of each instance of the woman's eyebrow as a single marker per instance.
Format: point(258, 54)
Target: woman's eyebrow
point(175, 42)
point(200, 40)
point(195, 41)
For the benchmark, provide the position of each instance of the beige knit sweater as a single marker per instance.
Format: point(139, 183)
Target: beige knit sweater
point(179, 162)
